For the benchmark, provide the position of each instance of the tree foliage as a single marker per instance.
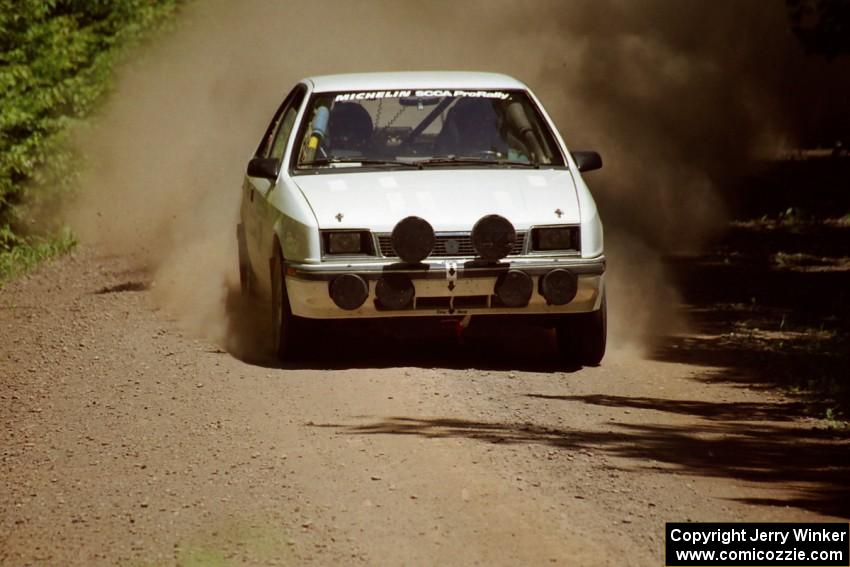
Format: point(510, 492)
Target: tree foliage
point(822, 26)
point(56, 61)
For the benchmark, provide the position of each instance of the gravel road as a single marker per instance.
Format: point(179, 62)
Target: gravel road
point(125, 440)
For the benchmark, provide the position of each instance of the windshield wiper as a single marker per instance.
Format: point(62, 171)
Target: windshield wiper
point(353, 160)
point(472, 160)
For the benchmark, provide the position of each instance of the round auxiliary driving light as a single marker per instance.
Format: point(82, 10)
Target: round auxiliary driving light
point(413, 239)
point(559, 286)
point(493, 237)
point(513, 288)
point(395, 291)
point(349, 291)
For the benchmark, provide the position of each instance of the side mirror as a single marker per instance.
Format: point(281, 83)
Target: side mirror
point(263, 167)
point(587, 161)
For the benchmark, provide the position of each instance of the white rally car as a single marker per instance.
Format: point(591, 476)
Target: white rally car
point(447, 194)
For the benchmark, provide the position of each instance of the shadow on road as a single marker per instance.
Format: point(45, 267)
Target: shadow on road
point(766, 315)
point(814, 467)
point(713, 411)
point(769, 303)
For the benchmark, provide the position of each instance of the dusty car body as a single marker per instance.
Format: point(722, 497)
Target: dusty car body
point(444, 194)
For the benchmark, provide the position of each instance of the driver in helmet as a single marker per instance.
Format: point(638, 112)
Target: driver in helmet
point(472, 128)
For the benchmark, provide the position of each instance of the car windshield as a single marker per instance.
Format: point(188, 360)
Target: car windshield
point(424, 128)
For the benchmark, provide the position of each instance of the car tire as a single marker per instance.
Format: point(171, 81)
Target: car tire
point(582, 337)
point(245, 273)
point(285, 325)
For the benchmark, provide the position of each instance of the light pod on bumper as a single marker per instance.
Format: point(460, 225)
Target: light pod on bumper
point(493, 237)
point(348, 291)
point(559, 286)
point(395, 291)
point(413, 239)
point(514, 288)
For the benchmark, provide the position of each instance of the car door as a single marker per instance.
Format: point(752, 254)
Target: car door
point(258, 216)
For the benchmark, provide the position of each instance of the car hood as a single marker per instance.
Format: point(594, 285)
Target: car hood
point(449, 199)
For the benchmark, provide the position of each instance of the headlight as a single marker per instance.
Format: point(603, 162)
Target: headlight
point(559, 238)
point(347, 242)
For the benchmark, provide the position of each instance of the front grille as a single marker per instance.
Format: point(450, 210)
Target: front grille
point(449, 244)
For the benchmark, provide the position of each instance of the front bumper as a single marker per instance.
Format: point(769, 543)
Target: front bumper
point(442, 287)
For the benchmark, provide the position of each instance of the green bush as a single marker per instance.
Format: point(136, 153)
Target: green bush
point(19, 254)
point(56, 64)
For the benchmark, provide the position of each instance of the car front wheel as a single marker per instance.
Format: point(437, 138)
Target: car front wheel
point(245, 273)
point(284, 323)
point(582, 337)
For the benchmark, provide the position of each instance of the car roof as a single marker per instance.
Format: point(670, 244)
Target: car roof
point(413, 80)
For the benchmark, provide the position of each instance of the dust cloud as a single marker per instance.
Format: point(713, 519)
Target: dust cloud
point(674, 95)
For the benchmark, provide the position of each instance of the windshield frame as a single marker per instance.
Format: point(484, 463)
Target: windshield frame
point(554, 140)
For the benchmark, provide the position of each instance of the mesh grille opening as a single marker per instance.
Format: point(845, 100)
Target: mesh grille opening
point(448, 245)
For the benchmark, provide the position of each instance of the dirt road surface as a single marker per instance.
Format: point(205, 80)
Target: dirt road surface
point(125, 441)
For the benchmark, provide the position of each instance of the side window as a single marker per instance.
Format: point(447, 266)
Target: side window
point(290, 106)
point(283, 131)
